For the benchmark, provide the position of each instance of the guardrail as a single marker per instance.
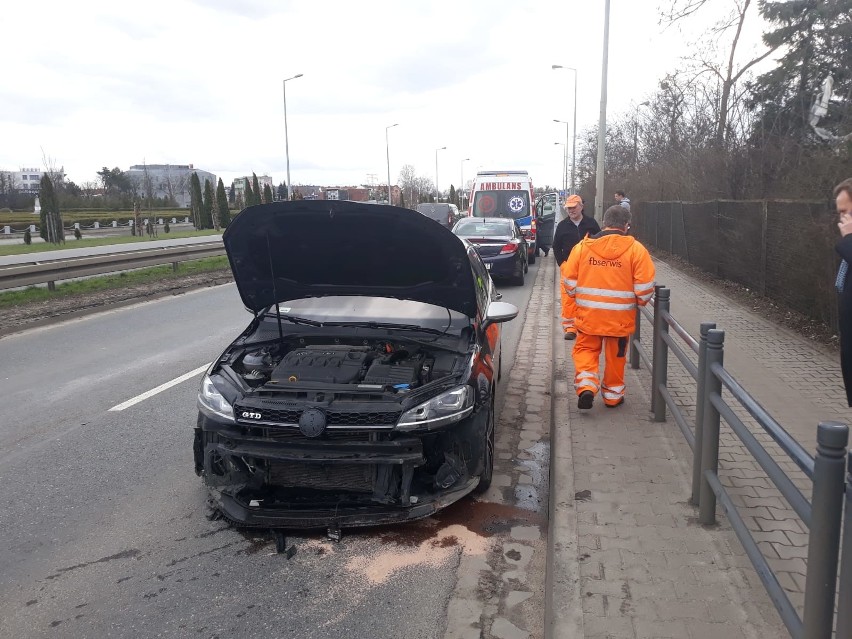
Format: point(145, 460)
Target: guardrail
point(824, 515)
point(52, 271)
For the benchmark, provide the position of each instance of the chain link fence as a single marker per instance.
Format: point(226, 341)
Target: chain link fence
point(782, 249)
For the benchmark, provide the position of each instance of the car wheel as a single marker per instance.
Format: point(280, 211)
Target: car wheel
point(500, 368)
point(526, 267)
point(487, 453)
point(518, 280)
point(532, 257)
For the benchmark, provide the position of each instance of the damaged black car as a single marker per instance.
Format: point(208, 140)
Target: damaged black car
point(363, 390)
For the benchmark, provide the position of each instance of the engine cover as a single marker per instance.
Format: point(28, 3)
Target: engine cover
point(330, 364)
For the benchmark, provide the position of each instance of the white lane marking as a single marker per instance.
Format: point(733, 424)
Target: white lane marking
point(177, 380)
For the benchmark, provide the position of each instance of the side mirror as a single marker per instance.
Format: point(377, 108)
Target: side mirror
point(499, 312)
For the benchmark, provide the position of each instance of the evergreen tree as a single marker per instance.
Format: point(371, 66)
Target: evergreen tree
point(282, 191)
point(267, 194)
point(814, 36)
point(232, 194)
point(453, 199)
point(50, 218)
point(222, 200)
point(255, 188)
point(248, 196)
point(207, 206)
point(196, 200)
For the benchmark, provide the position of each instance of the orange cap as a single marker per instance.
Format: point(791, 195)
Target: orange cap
point(573, 200)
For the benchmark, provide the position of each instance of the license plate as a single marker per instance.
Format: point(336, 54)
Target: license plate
point(487, 267)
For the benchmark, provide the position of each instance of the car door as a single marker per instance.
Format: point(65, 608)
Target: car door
point(519, 235)
point(486, 292)
point(546, 222)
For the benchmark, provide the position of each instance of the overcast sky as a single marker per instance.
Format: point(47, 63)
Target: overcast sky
point(96, 83)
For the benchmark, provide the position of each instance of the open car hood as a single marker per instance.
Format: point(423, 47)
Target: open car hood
point(315, 248)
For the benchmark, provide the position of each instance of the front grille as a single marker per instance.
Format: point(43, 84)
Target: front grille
point(272, 415)
point(333, 417)
point(341, 418)
point(348, 477)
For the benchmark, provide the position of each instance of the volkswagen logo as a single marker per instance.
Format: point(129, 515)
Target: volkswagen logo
point(312, 423)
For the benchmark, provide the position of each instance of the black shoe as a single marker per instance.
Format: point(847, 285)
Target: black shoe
point(569, 336)
point(618, 403)
point(586, 399)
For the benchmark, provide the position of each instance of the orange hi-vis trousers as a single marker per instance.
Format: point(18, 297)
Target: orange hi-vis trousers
point(569, 310)
point(587, 353)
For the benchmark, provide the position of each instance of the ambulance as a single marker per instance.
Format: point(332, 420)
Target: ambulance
point(506, 194)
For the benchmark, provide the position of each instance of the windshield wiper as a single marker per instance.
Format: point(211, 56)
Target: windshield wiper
point(400, 327)
point(293, 319)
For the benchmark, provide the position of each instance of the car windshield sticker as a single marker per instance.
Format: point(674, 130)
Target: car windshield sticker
point(487, 204)
point(516, 204)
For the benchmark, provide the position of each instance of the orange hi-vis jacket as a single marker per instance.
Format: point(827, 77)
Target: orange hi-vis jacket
point(608, 275)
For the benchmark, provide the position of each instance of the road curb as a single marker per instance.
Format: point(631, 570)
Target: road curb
point(563, 603)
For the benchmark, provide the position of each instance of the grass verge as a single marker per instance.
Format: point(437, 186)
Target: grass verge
point(116, 280)
point(22, 249)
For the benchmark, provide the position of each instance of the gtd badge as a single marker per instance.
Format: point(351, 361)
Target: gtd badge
point(248, 415)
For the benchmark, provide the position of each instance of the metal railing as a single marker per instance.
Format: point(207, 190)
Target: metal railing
point(51, 271)
point(824, 515)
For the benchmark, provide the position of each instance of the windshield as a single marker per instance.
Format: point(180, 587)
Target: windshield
point(438, 212)
point(510, 204)
point(472, 227)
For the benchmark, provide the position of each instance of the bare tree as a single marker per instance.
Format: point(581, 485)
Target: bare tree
point(176, 185)
point(56, 175)
point(726, 70)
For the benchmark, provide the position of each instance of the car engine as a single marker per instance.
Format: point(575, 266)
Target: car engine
point(381, 364)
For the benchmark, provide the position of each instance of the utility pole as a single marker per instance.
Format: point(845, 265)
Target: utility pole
point(601, 167)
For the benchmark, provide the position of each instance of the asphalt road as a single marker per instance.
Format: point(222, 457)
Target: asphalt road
point(103, 523)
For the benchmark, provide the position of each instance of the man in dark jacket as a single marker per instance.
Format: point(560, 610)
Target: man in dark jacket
point(569, 232)
point(843, 200)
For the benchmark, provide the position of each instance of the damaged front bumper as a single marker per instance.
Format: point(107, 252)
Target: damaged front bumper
point(345, 516)
point(275, 478)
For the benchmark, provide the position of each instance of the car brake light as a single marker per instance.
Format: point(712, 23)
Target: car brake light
point(509, 248)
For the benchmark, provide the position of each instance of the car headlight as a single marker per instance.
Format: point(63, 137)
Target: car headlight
point(446, 408)
point(212, 403)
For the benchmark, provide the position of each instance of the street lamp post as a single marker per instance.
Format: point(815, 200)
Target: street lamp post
point(636, 134)
point(564, 163)
point(437, 191)
point(461, 196)
point(574, 128)
point(565, 174)
point(387, 152)
point(287, 137)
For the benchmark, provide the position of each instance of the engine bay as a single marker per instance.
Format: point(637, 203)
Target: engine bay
point(381, 364)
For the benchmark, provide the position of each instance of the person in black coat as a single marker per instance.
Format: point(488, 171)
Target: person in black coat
point(843, 200)
point(568, 233)
point(572, 229)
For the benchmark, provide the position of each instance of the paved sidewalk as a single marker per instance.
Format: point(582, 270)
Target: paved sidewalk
point(646, 567)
